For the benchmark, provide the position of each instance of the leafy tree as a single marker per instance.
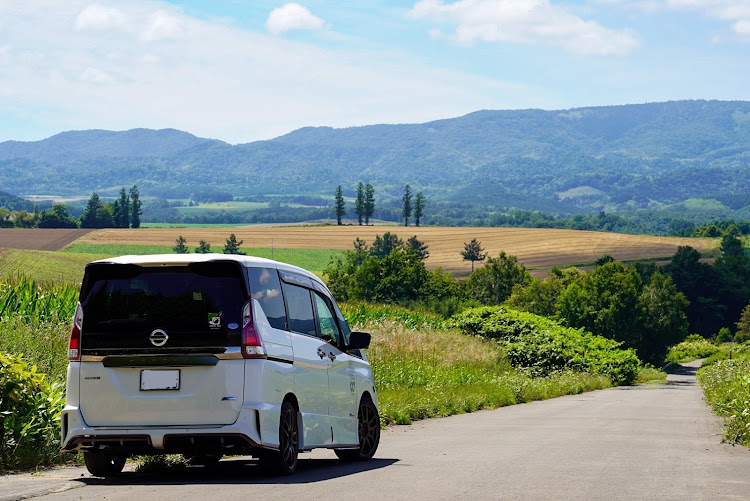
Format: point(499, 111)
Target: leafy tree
point(701, 284)
point(93, 214)
point(540, 296)
point(232, 246)
point(604, 302)
point(135, 207)
point(339, 207)
point(406, 199)
point(663, 321)
point(418, 207)
point(382, 246)
point(360, 249)
point(724, 335)
point(418, 247)
point(397, 277)
point(369, 202)
point(359, 203)
point(180, 248)
point(493, 283)
point(743, 326)
point(203, 247)
point(473, 251)
point(57, 217)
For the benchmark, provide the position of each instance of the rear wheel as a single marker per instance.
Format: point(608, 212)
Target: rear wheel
point(103, 465)
point(369, 434)
point(284, 461)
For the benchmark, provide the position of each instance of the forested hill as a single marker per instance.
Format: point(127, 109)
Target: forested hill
point(613, 158)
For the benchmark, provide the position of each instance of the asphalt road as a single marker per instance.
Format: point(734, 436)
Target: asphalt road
point(647, 442)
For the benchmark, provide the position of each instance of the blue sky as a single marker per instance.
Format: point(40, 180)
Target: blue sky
point(244, 70)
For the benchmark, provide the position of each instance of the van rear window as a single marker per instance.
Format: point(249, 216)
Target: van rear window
point(196, 305)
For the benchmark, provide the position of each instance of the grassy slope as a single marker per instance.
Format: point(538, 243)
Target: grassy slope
point(45, 265)
point(726, 384)
point(310, 259)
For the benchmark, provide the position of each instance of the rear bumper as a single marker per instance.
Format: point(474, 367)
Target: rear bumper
point(242, 437)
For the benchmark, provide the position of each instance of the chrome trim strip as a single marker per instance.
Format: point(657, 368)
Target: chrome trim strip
point(229, 355)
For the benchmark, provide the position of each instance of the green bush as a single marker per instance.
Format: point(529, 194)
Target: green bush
point(543, 346)
point(727, 387)
point(693, 348)
point(724, 336)
point(30, 411)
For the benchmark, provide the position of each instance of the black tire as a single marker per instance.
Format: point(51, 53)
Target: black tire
point(369, 434)
point(203, 459)
point(104, 465)
point(284, 461)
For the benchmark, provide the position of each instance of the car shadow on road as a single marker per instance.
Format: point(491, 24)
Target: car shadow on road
point(242, 471)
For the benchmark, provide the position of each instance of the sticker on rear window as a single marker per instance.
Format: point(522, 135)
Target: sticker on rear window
point(197, 296)
point(214, 320)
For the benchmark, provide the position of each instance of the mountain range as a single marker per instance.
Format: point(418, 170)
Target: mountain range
point(613, 158)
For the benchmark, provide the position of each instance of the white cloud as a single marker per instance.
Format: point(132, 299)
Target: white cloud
point(292, 16)
point(736, 12)
point(100, 18)
point(215, 80)
point(525, 21)
point(163, 25)
point(92, 75)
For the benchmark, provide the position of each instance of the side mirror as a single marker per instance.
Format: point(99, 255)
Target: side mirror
point(359, 340)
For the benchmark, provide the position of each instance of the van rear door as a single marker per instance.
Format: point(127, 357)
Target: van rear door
point(161, 344)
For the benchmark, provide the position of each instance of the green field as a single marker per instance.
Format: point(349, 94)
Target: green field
point(314, 260)
point(46, 266)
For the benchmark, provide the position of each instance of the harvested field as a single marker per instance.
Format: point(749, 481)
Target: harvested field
point(39, 239)
point(539, 249)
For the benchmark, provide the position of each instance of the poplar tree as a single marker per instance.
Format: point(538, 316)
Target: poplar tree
point(340, 207)
point(406, 199)
point(359, 204)
point(369, 202)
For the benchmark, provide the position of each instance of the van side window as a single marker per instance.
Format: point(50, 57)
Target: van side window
point(326, 321)
point(300, 309)
point(265, 287)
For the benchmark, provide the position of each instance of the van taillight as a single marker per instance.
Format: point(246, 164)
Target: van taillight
point(251, 345)
point(74, 348)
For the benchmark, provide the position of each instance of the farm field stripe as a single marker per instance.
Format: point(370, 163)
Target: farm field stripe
point(535, 247)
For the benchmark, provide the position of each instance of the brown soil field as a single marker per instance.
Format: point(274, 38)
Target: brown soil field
point(38, 238)
point(539, 249)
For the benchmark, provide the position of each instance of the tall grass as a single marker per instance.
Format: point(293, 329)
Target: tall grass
point(34, 301)
point(362, 313)
point(726, 384)
point(427, 372)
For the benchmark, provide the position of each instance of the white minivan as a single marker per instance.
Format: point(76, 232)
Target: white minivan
point(209, 355)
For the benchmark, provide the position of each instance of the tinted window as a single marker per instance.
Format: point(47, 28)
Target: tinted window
point(266, 288)
point(300, 309)
point(326, 320)
point(196, 308)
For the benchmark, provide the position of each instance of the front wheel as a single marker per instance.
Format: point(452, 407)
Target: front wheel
point(369, 434)
point(284, 461)
point(104, 465)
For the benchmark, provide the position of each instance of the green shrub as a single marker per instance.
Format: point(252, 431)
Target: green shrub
point(693, 348)
point(724, 336)
point(44, 344)
point(30, 410)
point(544, 346)
point(727, 387)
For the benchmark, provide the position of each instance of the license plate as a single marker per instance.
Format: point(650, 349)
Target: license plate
point(160, 380)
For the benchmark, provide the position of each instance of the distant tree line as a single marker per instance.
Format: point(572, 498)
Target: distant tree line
point(123, 212)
